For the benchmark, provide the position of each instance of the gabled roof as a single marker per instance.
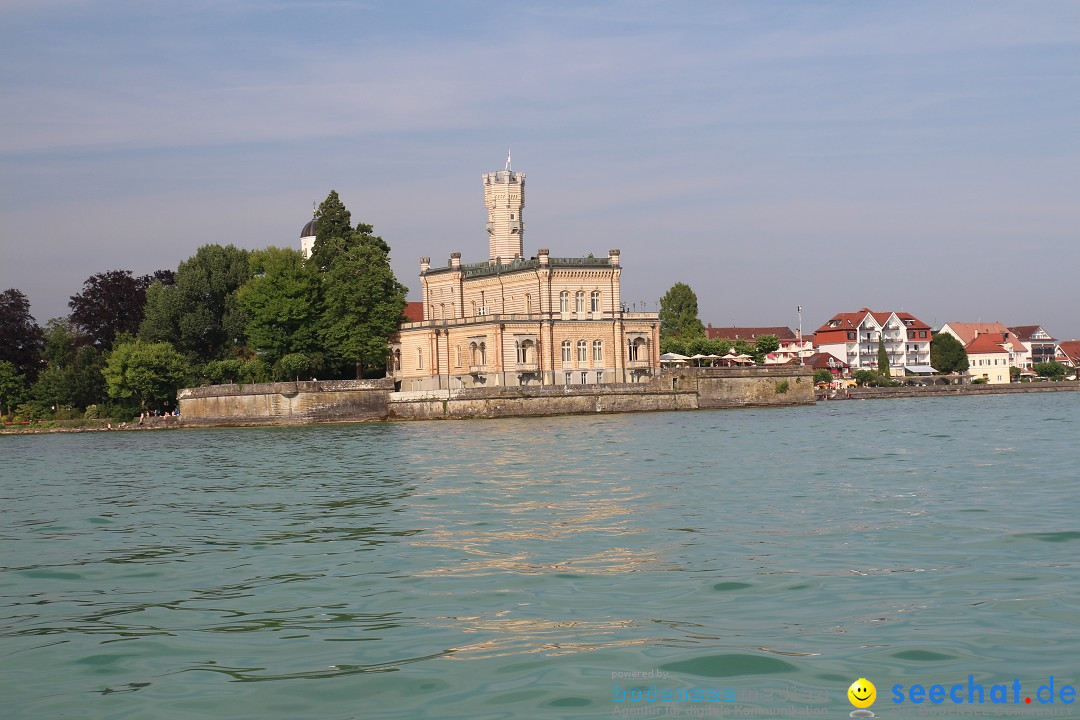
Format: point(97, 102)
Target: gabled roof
point(414, 311)
point(820, 361)
point(1025, 332)
point(845, 322)
point(989, 343)
point(748, 333)
point(1071, 348)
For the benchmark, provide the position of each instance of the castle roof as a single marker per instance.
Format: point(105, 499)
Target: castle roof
point(309, 229)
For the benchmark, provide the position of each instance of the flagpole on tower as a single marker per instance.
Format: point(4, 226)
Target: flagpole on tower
point(507, 159)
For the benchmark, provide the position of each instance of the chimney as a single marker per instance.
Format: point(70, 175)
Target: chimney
point(613, 257)
point(425, 264)
point(542, 256)
point(455, 260)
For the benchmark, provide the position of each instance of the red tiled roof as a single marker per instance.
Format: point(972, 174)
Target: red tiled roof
point(851, 320)
point(989, 343)
point(414, 311)
point(1071, 348)
point(747, 333)
point(820, 361)
point(968, 331)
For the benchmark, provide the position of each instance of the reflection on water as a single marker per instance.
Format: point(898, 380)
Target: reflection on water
point(332, 572)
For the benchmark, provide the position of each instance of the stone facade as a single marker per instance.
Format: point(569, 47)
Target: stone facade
point(514, 321)
point(288, 403)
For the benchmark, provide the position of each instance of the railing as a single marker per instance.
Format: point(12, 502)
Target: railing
point(529, 366)
point(477, 369)
point(633, 364)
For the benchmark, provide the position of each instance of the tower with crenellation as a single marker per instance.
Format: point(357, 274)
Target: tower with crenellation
point(504, 197)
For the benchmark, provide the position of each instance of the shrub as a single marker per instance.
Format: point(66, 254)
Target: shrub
point(781, 387)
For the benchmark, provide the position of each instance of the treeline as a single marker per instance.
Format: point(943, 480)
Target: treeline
point(224, 315)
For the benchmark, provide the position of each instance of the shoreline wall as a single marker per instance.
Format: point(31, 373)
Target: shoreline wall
point(871, 393)
point(300, 403)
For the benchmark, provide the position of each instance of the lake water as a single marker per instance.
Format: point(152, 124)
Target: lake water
point(511, 568)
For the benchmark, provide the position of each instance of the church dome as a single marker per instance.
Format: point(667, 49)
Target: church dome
point(309, 229)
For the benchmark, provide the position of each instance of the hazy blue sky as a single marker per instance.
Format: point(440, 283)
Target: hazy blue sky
point(911, 155)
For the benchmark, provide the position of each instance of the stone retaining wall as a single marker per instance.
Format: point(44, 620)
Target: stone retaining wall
point(868, 393)
point(362, 400)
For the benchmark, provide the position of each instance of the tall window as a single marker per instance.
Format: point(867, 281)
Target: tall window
point(579, 301)
point(478, 352)
point(564, 301)
point(582, 352)
point(594, 303)
point(524, 351)
point(528, 304)
point(458, 356)
point(598, 351)
point(419, 359)
point(566, 351)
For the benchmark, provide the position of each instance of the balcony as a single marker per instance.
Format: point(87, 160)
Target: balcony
point(634, 364)
point(530, 366)
point(477, 369)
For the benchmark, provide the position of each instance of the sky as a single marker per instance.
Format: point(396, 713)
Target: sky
point(917, 156)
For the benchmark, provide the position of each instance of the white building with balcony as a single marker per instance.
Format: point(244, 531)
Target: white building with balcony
point(854, 336)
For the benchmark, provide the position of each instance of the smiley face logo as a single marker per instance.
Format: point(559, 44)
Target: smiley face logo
point(862, 693)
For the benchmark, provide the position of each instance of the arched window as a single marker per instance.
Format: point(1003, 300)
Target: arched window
point(566, 350)
point(458, 356)
point(582, 351)
point(442, 311)
point(397, 359)
point(579, 301)
point(598, 351)
point(528, 304)
point(474, 307)
point(594, 303)
point(419, 358)
point(564, 301)
point(524, 351)
point(474, 354)
point(483, 353)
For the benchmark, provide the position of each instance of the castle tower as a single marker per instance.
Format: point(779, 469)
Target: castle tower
point(504, 197)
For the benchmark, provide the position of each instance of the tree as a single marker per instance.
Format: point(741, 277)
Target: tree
point(882, 357)
point(280, 303)
point(363, 306)
point(947, 354)
point(1014, 374)
point(763, 345)
point(1052, 370)
point(679, 313)
point(866, 377)
point(12, 387)
point(20, 337)
point(199, 314)
point(110, 302)
point(292, 365)
point(147, 372)
point(822, 376)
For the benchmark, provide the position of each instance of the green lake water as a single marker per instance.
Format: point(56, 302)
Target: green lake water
point(523, 568)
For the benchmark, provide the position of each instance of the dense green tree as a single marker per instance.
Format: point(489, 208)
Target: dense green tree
point(1014, 374)
point(147, 372)
point(291, 366)
point(882, 357)
point(12, 387)
point(82, 383)
point(866, 377)
point(200, 314)
point(947, 354)
point(822, 376)
point(743, 347)
point(1052, 370)
point(110, 302)
point(334, 233)
point(363, 306)
point(763, 345)
point(59, 348)
point(20, 337)
point(679, 314)
point(281, 303)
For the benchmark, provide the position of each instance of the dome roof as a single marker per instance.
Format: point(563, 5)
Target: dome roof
point(309, 229)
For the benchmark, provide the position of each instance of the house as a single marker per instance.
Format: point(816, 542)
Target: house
point(988, 359)
point(1069, 352)
point(853, 338)
point(1041, 347)
point(828, 361)
point(966, 333)
point(512, 320)
point(791, 348)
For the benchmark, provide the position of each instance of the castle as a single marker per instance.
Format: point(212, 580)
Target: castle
point(513, 320)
